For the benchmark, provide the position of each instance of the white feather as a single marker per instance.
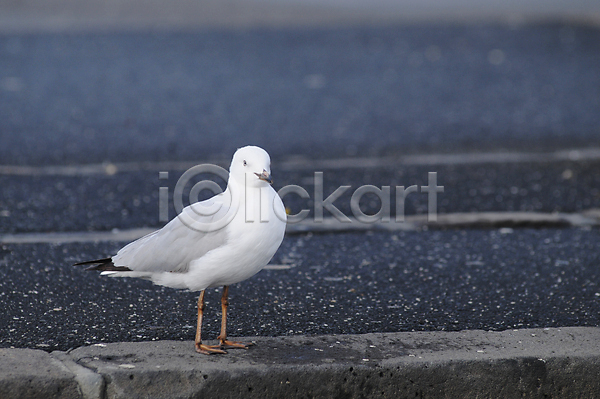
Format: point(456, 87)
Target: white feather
point(197, 251)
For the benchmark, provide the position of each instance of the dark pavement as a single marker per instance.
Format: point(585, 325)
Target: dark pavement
point(338, 284)
point(82, 98)
point(78, 99)
point(130, 199)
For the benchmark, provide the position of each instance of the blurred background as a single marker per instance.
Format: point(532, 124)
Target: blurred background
point(143, 80)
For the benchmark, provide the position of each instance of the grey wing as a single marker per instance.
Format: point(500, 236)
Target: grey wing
point(173, 247)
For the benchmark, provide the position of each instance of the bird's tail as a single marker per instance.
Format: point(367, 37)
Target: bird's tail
point(103, 265)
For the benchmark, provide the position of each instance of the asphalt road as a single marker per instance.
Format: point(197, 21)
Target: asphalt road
point(81, 98)
point(130, 199)
point(337, 283)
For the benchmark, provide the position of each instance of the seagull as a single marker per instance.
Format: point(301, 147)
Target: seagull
point(221, 241)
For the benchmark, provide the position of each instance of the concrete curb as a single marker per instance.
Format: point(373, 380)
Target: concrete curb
point(532, 363)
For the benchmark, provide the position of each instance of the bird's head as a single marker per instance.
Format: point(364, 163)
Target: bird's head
point(251, 166)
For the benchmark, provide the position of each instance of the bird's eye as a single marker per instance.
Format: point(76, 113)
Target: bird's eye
point(245, 162)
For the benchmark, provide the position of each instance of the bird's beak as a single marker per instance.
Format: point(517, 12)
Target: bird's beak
point(265, 176)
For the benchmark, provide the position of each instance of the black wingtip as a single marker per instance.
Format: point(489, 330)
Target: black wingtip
point(93, 262)
point(103, 265)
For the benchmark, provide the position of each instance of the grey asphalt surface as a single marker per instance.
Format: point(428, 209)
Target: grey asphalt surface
point(130, 199)
point(74, 99)
point(80, 98)
point(355, 283)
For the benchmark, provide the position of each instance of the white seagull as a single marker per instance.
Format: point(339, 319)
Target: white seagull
point(217, 242)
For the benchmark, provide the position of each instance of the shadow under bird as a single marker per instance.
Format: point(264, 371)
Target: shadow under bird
point(217, 242)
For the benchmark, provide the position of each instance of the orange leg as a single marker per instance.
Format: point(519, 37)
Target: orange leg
point(200, 347)
point(223, 336)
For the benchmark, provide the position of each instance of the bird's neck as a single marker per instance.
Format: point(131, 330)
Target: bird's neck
point(250, 185)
